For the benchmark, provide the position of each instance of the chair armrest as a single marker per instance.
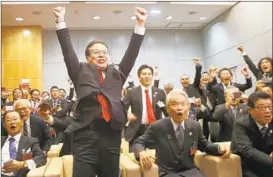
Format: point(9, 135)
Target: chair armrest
point(124, 148)
point(68, 165)
point(215, 166)
point(38, 172)
point(129, 168)
point(153, 172)
point(54, 168)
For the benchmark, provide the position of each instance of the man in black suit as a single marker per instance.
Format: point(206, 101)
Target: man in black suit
point(100, 113)
point(33, 126)
point(252, 137)
point(144, 101)
point(14, 163)
point(227, 113)
point(176, 139)
point(225, 75)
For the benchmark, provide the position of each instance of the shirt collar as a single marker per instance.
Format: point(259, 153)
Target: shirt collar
point(145, 88)
point(16, 137)
point(175, 125)
point(260, 126)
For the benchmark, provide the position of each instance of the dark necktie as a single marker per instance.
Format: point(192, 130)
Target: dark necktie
point(103, 101)
point(263, 130)
point(179, 132)
point(234, 111)
point(25, 129)
point(12, 148)
point(150, 111)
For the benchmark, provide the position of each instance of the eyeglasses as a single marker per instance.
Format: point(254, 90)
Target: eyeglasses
point(264, 107)
point(98, 52)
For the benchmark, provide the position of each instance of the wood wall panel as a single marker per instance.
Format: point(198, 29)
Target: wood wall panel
point(22, 56)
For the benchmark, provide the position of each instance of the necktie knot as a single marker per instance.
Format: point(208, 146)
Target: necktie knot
point(147, 91)
point(263, 130)
point(12, 140)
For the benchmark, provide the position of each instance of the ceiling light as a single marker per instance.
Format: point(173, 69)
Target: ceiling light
point(155, 12)
point(169, 18)
point(205, 3)
point(26, 32)
point(203, 18)
point(120, 2)
point(133, 17)
point(33, 2)
point(19, 19)
point(96, 17)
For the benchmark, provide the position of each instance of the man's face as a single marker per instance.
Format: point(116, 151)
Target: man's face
point(24, 109)
point(205, 78)
point(99, 55)
point(225, 77)
point(146, 77)
point(13, 123)
point(262, 112)
point(4, 94)
point(54, 93)
point(61, 94)
point(168, 88)
point(185, 81)
point(35, 95)
point(178, 108)
point(17, 94)
point(266, 66)
point(230, 97)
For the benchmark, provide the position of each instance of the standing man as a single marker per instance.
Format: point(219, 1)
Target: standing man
point(100, 113)
point(145, 105)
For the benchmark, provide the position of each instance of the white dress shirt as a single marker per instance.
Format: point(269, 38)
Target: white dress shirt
point(144, 119)
point(260, 126)
point(6, 156)
point(175, 125)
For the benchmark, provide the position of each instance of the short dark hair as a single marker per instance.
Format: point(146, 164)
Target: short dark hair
point(33, 90)
point(254, 97)
point(205, 72)
point(62, 90)
point(15, 90)
point(224, 69)
point(87, 52)
point(54, 87)
point(261, 60)
point(144, 67)
point(10, 111)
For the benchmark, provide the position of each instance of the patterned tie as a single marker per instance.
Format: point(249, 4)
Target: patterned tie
point(25, 129)
point(263, 131)
point(12, 148)
point(150, 111)
point(103, 101)
point(179, 132)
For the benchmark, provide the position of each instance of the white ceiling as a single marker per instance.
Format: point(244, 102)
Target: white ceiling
point(79, 14)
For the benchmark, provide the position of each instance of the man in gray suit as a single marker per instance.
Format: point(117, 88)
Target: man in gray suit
point(100, 114)
point(147, 103)
point(176, 139)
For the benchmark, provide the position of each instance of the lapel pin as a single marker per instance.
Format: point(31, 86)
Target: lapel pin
point(155, 94)
point(190, 133)
point(270, 131)
point(169, 136)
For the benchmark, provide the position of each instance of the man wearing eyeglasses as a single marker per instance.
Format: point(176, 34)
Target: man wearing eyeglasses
point(100, 114)
point(252, 137)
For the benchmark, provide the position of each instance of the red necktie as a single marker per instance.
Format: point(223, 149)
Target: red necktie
point(150, 111)
point(103, 102)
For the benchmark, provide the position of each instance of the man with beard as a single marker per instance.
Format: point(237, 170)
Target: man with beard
point(145, 105)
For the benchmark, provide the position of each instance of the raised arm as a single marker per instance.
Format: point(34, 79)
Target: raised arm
point(70, 57)
point(198, 69)
point(248, 84)
point(132, 51)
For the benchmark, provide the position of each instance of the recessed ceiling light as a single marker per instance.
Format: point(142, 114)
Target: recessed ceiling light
point(19, 19)
point(26, 32)
point(169, 18)
point(96, 17)
point(203, 18)
point(155, 12)
point(133, 17)
point(192, 12)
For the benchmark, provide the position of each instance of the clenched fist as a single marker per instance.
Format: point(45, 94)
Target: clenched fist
point(141, 16)
point(59, 13)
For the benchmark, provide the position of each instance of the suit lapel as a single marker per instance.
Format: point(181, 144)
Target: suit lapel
point(96, 73)
point(107, 74)
point(22, 145)
point(154, 94)
point(171, 137)
point(139, 95)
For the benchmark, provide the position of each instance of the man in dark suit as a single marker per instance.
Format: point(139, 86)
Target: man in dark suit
point(227, 113)
point(225, 75)
point(252, 137)
point(14, 162)
point(100, 113)
point(176, 139)
point(33, 125)
point(144, 102)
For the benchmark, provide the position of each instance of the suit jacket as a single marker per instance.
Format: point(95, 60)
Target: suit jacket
point(253, 148)
point(28, 142)
point(59, 101)
point(170, 159)
point(217, 90)
point(134, 99)
point(40, 130)
point(85, 78)
point(226, 118)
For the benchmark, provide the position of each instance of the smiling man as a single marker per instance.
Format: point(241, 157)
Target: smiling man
point(176, 140)
point(100, 114)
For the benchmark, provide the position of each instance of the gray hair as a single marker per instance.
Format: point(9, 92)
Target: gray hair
point(174, 94)
point(27, 102)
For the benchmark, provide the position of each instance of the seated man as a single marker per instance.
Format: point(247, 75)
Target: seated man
point(228, 112)
point(176, 139)
point(252, 137)
point(19, 153)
